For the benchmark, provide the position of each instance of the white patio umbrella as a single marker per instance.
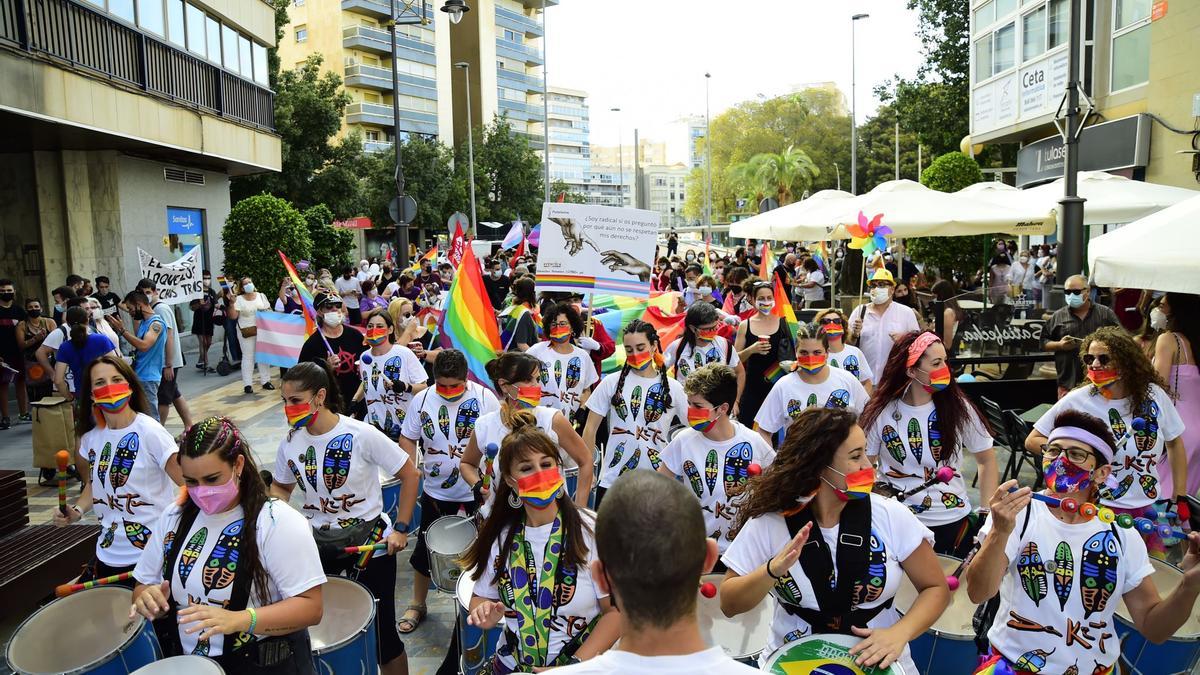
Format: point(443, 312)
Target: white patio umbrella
point(1159, 252)
point(1110, 199)
point(772, 224)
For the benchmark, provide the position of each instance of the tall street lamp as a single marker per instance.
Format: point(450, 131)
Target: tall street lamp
point(707, 161)
point(456, 9)
point(470, 137)
point(545, 111)
point(620, 160)
point(853, 117)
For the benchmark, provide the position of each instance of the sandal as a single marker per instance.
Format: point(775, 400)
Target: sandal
point(406, 625)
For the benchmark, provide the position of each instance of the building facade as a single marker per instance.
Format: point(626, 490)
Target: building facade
point(570, 145)
point(124, 122)
point(662, 189)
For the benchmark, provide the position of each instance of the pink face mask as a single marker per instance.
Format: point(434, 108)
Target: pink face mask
point(215, 498)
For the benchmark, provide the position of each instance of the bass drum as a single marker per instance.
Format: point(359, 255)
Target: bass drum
point(824, 654)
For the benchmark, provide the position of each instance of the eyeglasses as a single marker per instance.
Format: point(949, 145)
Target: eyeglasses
point(879, 284)
point(1074, 291)
point(1101, 359)
point(831, 321)
point(1076, 456)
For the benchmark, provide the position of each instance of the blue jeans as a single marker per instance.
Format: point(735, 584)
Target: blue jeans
point(231, 333)
point(151, 389)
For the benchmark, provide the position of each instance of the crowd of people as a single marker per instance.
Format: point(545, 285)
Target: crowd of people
point(822, 465)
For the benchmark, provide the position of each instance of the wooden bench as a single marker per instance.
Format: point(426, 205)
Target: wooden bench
point(14, 502)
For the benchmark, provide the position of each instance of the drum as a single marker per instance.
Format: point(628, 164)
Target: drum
point(477, 645)
point(86, 632)
point(391, 501)
point(1180, 654)
point(345, 640)
point(572, 478)
point(448, 539)
point(827, 654)
point(744, 636)
point(950, 641)
point(189, 664)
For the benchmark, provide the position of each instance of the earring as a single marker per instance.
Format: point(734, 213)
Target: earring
point(513, 500)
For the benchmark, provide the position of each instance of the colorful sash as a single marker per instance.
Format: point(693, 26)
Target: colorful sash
point(533, 594)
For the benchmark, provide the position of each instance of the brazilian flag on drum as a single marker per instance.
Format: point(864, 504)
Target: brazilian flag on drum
point(822, 655)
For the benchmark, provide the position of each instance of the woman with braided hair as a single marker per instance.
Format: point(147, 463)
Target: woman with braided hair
point(235, 570)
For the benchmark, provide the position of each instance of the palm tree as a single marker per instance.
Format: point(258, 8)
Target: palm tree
point(744, 182)
point(783, 174)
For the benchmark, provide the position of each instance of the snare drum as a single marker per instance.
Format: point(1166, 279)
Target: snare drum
point(391, 501)
point(476, 644)
point(189, 664)
point(447, 539)
point(572, 478)
point(744, 636)
point(827, 654)
point(345, 640)
point(950, 641)
point(1180, 654)
point(86, 632)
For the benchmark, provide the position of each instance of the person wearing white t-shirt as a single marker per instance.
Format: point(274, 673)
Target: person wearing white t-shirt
point(1123, 388)
point(350, 288)
point(442, 418)
point(700, 345)
point(919, 421)
point(337, 462)
point(796, 539)
point(652, 581)
point(235, 574)
point(516, 376)
point(717, 456)
point(876, 326)
point(534, 525)
point(811, 384)
point(1061, 575)
point(391, 376)
point(811, 287)
point(568, 373)
point(640, 403)
point(132, 478)
point(841, 355)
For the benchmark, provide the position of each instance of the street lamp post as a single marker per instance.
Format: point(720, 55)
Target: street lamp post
point(1073, 237)
point(470, 140)
point(853, 117)
point(707, 159)
point(545, 110)
point(620, 161)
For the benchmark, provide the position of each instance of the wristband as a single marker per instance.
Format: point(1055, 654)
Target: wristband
point(1183, 509)
point(253, 620)
point(477, 490)
point(769, 572)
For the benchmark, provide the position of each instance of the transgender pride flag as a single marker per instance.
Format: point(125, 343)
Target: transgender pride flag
point(280, 337)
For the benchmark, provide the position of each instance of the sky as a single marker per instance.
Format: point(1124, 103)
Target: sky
point(648, 57)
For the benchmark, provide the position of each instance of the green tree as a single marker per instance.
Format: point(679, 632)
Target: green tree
point(877, 150)
point(781, 175)
point(255, 228)
point(429, 176)
point(508, 176)
point(331, 246)
point(560, 187)
point(950, 173)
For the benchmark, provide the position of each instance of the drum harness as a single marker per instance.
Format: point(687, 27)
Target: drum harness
point(277, 654)
point(837, 613)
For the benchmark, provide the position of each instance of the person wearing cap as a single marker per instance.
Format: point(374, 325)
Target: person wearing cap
point(335, 344)
point(876, 326)
point(1062, 574)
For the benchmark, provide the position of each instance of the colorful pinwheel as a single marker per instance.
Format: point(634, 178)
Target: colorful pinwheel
point(869, 236)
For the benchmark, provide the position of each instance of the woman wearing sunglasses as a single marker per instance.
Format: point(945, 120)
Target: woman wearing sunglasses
point(1123, 386)
point(841, 355)
point(762, 343)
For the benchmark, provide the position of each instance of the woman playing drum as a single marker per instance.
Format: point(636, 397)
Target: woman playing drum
point(390, 377)
point(823, 477)
point(237, 571)
point(1061, 572)
point(337, 460)
point(568, 373)
point(532, 562)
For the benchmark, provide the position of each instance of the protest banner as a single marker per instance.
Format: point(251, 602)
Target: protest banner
point(177, 281)
point(602, 249)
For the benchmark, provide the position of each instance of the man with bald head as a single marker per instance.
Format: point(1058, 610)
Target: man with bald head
point(1067, 328)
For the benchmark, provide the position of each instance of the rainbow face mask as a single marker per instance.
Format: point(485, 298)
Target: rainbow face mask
point(453, 393)
point(939, 379)
point(540, 489)
point(112, 398)
point(639, 361)
point(811, 364)
point(1104, 379)
point(834, 330)
point(529, 396)
point(859, 484)
point(701, 419)
point(707, 335)
point(376, 336)
point(560, 334)
point(300, 415)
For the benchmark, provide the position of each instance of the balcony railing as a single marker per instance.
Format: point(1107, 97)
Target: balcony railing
point(367, 38)
point(81, 38)
point(518, 21)
point(370, 77)
point(527, 82)
point(516, 50)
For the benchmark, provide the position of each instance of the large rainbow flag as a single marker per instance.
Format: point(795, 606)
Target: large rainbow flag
point(430, 255)
point(783, 307)
point(306, 296)
point(468, 322)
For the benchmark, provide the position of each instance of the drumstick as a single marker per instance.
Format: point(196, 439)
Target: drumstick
point(381, 546)
point(62, 459)
point(944, 474)
point(1106, 515)
point(952, 578)
point(67, 589)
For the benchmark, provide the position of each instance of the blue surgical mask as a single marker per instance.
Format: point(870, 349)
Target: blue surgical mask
point(1075, 301)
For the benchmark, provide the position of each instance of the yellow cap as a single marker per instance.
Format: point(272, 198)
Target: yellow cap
point(882, 274)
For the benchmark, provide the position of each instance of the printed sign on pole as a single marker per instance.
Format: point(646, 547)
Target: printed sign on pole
point(587, 248)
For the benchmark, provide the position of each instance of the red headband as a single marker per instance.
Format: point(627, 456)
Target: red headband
point(918, 347)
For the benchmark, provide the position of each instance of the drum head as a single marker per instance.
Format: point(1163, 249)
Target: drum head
point(822, 655)
point(189, 664)
point(349, 609)
point(464, 589)
point(1166, 578)
point(743, 636)
point(450, 535)
point(97, 621)
point(955, 622)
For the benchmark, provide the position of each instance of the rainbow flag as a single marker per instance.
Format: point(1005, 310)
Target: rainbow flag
point(616, 311)
point(774, 373)
point(768, 262)
point(430, 255)
point(783, 307)
point(820, 254)
point(514, 236)
point(707, 268)
point(468, 321)
point(306, 296)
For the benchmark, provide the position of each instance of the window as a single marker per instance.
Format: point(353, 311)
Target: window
point(302, 33)
point(1006, 49)
point(122, 9)
point(175, 31)
point(1033, 34)
point(1004, 8)
point(985, 16)
point(150, 15)
point(1131, 44)
point(229, 49)
point(212, 31)
point(244, 57)
point(372, 136)
point(983, 58)
point(195, 31)
point(1056, 25)
point(370, 97)
point(259, 54)
point(298, 3)
point(1129, 12)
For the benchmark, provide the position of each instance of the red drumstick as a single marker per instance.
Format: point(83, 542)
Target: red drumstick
point(62, 459)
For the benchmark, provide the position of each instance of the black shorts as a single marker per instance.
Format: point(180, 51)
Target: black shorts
point(431, 510)
point(380, 578)
point(95, 569)
point(956, 539)
point(168, 390)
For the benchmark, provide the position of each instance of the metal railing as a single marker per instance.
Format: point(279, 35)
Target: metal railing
point(82, 38)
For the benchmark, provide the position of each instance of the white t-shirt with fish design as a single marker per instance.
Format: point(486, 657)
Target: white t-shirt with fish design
point(1135, 482)
point(895, 534)
point(130, 488)
point(791, 396)
point(695, 357)
point(565, 377)
point(853, 361)
point(1062, 586)
point(443, 428)
point(638, 425)
point(338, 472)
point(910, 452)
point(717, 472)
point(489, 437)
point(204, 569)
point(386, 408)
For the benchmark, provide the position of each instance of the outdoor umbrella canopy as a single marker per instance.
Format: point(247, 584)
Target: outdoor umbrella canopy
point(1110, 199)
point(1158, 252)
point(784, 222)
